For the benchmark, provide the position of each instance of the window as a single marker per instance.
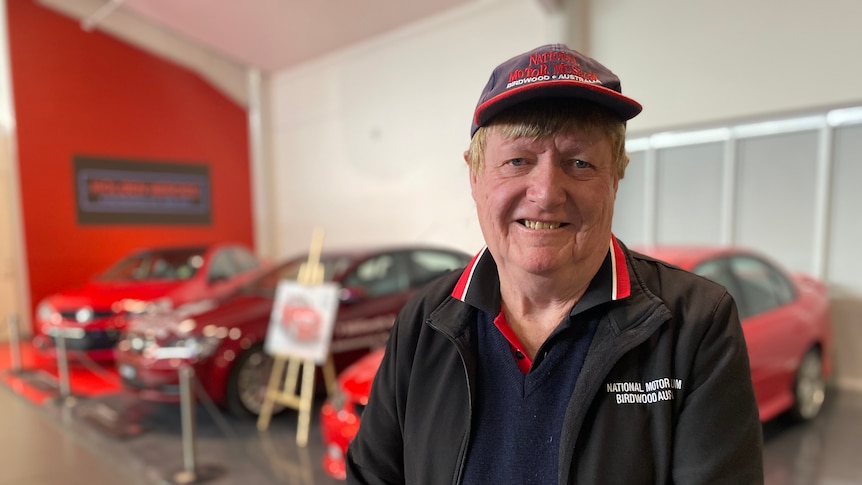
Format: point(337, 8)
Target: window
point(717, 185)
point(243, 259)
point(425, 265)
point(380, 275)
point(718, 270)
point(222, 266)
point(763, 287)
point(169, 264)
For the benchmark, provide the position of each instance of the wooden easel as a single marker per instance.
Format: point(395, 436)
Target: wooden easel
point(310, 273)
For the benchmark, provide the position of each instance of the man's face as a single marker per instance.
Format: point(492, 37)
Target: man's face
point(546, 205)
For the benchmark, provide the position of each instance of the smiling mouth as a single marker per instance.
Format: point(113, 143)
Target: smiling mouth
point(539, 225)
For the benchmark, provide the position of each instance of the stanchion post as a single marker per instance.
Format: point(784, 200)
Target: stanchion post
point(14, 341)
point(63, 367)
point(187, 412)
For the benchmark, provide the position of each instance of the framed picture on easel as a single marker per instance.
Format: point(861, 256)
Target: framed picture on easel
point(302, 320)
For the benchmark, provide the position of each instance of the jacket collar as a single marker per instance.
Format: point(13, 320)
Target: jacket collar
point(479, 284)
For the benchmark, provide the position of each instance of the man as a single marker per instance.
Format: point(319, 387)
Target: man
point(558, 356)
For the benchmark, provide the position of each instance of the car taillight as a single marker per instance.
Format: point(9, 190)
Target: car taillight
point(334, 452)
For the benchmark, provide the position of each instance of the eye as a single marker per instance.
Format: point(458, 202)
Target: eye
point(578, 163)
point(517, 162)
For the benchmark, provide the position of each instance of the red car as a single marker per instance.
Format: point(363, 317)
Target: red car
point(339, 415)
point(785, 318)
point(92, 317)
point(224, 341)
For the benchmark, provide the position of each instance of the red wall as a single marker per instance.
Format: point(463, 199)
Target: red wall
point(87, 93)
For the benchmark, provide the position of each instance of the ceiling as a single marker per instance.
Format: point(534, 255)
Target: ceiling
point(272, 34)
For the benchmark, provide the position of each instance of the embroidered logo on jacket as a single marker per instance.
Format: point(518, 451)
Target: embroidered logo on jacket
point(645, 392)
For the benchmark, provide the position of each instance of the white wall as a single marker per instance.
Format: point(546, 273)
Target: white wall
point(691, 62)
point(368, 142)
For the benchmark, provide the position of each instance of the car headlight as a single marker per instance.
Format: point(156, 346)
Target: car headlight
point(134, 342)
point(160, 305)
point(84, 315)
point(45, 311)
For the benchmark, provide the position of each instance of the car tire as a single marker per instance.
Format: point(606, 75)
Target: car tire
point(248, 382)
point(809, 387)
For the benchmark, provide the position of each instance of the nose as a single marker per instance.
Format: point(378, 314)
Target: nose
point(546, 184)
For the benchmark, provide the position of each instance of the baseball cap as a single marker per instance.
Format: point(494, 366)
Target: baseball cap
point(551, 71)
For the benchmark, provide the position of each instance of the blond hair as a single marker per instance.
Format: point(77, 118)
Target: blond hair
point(547, 118)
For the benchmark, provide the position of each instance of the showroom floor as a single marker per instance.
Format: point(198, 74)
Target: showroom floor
point(109, 437)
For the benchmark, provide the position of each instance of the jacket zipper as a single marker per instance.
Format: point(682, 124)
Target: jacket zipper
point(464, 443)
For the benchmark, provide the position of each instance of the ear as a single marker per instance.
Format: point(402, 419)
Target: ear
point(616, 186)
point(469, 167)
point(473, 177)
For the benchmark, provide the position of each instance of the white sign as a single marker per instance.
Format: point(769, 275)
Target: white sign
point(302, 320)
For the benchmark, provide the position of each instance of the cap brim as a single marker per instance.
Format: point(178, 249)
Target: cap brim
point(625, 107)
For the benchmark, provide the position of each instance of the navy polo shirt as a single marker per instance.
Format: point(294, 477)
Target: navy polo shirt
point(520, 405)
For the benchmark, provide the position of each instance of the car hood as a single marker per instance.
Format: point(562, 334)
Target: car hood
point(169, 321)
point(229, 313)
point(102, 294)
point(356, 379)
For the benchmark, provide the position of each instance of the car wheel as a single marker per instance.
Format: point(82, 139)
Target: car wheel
point(809, 387)
point(249, 379)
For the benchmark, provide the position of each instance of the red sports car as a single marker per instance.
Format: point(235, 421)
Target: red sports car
point(92, 317)
point(785, 318)
point(225, 341)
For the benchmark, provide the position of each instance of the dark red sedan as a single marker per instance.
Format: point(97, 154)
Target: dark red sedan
point(92, 317)
point(224, 341)
point(785, 318)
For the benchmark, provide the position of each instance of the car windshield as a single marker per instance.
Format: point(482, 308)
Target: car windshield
point(168, 264)
point(266, 285)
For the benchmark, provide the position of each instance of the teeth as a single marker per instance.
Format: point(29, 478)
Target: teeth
point(541, 225)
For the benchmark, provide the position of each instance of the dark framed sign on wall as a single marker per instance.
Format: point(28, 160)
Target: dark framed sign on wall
point(121, 191)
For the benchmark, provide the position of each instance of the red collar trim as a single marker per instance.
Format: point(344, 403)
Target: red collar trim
point(622, 285)
point(515, 345)
point(463, 283)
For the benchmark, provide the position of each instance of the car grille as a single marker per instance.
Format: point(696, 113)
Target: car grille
point(97, 315)
point(92, 340)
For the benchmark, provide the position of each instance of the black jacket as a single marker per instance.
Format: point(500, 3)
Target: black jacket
point(665, 394)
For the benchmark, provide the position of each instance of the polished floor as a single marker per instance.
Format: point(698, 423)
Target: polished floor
point(118, 440)
point(109, 437)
